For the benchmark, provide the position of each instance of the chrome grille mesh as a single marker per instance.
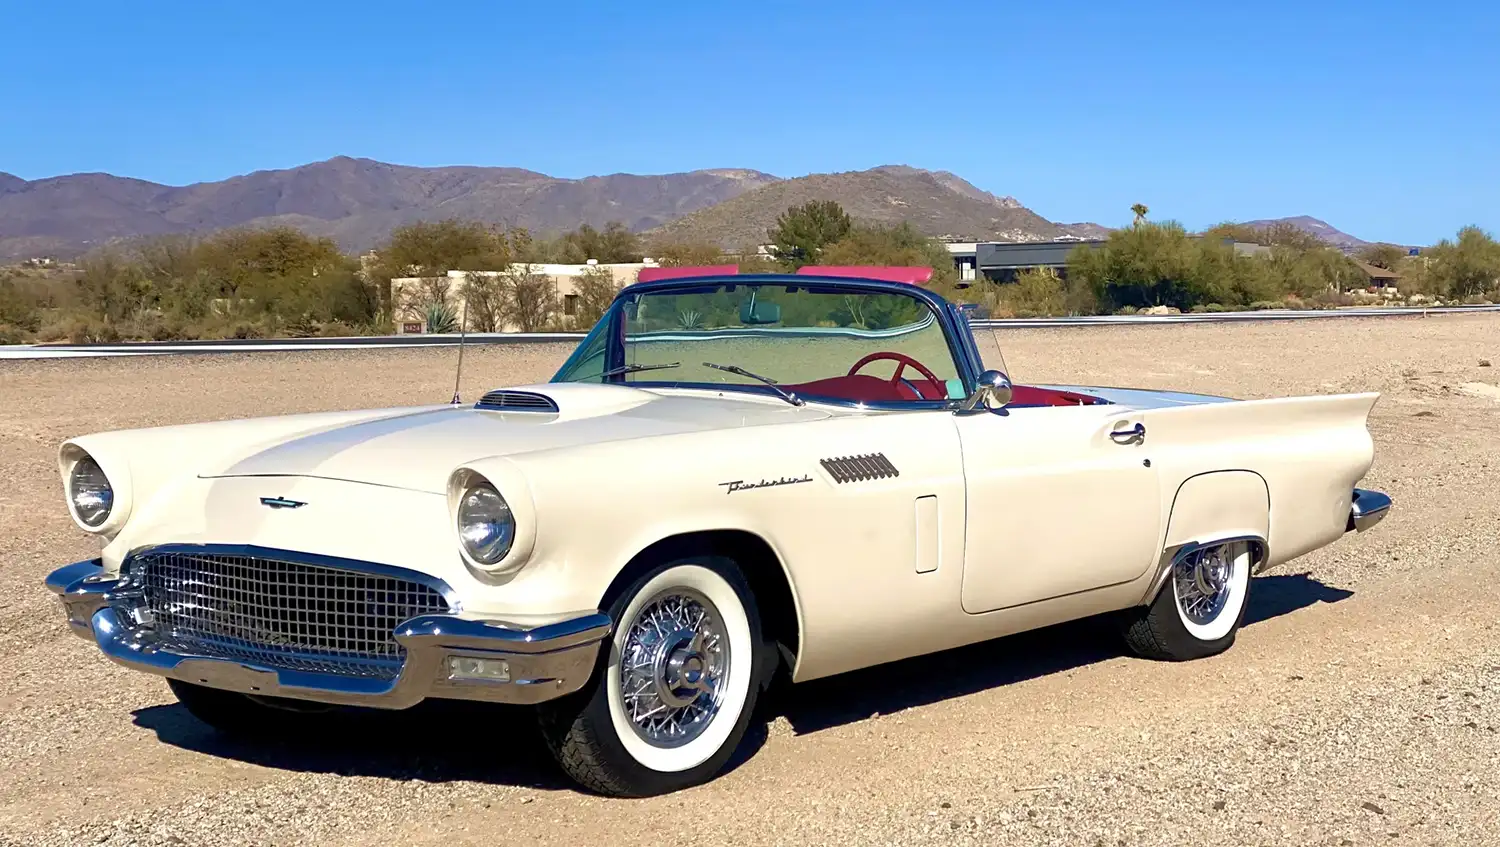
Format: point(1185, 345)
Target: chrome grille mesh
point(278, 613)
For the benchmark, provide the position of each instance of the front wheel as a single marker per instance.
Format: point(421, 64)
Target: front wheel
point(1199, 610)
point(677, 690)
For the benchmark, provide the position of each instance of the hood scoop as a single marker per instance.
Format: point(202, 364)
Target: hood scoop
point(510, 400)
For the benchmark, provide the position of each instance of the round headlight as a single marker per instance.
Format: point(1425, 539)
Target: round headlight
point(485, 524)
point(90, 492)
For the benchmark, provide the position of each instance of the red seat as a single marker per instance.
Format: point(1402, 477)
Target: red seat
point(863, 388)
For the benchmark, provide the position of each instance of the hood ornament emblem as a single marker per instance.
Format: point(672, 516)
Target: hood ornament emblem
point(281, 503)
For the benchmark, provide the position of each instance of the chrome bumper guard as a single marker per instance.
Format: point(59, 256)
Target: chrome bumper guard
point(1367, 509)
point(540, 663)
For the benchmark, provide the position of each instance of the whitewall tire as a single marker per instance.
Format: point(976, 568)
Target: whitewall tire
point(675, 692)
point(1199, 609)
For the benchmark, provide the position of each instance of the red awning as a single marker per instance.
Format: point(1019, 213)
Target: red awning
point(653, 274)
point(911, 275)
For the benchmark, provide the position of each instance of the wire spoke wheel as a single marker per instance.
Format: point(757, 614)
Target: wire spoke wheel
point(673, 665)
point(1202, 582)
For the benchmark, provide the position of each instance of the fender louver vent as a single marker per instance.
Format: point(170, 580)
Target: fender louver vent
point(860, 468)
point(504, 400)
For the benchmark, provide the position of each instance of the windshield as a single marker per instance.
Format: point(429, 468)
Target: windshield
point(834, 343)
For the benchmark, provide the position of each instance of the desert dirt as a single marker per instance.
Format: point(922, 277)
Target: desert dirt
point(1361, 704)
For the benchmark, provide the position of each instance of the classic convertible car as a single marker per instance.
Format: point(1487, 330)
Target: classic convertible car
point(732, 477)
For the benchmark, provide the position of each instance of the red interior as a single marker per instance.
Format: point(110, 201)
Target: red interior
point(863, 388)
point(1030, 395)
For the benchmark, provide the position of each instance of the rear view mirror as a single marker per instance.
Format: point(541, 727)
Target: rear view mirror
point(757, 312)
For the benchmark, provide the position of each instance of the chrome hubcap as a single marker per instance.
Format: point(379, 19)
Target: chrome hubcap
point(673, 665)
point(1202, 581)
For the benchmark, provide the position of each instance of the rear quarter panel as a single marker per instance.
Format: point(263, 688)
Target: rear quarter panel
point(1311, 451)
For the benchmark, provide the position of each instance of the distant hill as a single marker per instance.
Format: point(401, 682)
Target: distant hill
point(936, 202)
point(1322, 230)
point(1085, 230)
point(356, 201)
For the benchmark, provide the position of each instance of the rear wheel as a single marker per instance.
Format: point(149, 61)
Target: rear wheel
point(676, 691)
point(1199, 610)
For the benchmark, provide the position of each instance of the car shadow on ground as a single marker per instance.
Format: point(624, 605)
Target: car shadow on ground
point(1056, 649)
point(445, 741)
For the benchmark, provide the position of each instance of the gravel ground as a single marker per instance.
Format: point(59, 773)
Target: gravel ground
point(1361, 704)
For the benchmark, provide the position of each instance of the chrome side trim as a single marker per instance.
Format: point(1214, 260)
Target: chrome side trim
point(1366, 509)
point(545, 661)
point(1259, 549)
point(860, 468)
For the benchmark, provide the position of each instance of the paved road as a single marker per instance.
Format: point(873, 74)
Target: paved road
point(285, 345)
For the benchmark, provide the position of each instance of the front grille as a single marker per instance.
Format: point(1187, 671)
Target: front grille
point(280, 614)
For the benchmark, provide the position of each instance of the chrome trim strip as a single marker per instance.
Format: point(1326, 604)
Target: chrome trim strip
point(545, 661)
point(1367, 508)
point(451, 631)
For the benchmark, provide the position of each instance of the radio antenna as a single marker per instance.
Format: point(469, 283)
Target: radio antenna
point(463, 323)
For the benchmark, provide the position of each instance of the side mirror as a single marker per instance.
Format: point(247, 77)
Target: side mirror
point(991, 393)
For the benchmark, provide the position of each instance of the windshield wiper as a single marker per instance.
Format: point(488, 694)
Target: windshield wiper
point(736, 369)
point(630, 369)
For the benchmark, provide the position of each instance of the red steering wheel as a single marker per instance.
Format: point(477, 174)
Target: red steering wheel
point(902, 361)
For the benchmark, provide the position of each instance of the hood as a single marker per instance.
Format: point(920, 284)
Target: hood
point(418, 449)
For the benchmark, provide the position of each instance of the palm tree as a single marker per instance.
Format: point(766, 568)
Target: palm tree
point(1140, 211)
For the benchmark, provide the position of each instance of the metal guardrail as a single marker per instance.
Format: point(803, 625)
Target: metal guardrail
point(287, 345)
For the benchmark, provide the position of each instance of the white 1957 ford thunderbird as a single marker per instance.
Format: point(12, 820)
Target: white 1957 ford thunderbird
point(732, 477)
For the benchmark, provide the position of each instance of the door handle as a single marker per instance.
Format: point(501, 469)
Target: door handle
point(1133, 435)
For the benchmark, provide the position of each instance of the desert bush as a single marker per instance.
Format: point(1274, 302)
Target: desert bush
point(596, 289)
point(1037, 292)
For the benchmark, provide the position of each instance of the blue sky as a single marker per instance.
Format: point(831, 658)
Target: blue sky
point(1383, 118)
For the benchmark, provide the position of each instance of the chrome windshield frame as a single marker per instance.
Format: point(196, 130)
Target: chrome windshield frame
point(955, 328)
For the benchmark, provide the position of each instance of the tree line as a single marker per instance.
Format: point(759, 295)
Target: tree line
point(251, 283)
point(1148, 265)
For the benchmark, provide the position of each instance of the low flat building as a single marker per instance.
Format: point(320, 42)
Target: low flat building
point(412, 297)
point(1001, 261)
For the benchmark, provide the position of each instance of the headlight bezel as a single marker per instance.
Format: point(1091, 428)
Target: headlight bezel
point(116, 476)
point(510, 486)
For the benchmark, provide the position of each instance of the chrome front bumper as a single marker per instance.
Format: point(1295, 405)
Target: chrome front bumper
point(543, 662)
point(1367, 509)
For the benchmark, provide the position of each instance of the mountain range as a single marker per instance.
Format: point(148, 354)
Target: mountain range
point(359, 201)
